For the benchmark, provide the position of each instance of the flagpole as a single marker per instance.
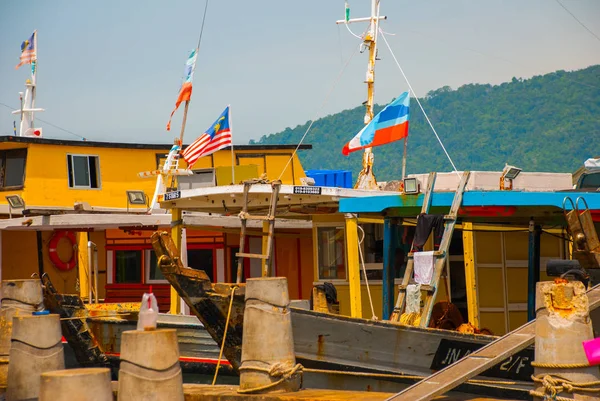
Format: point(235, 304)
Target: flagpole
point(404, 157)
point(232, 156)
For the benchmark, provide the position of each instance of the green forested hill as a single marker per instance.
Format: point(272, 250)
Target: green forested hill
point(546, 123)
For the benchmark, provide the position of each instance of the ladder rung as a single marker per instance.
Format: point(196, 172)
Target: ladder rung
point(251, 255)
point(424, 287)
point(249, 217)
point(437, 253)
point(449, 217)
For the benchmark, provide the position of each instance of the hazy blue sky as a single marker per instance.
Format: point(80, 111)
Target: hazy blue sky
point(110, 70)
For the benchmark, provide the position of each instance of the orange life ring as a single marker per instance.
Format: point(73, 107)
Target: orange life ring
point(53, 254)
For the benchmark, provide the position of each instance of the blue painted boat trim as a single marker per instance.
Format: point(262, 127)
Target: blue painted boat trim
point(377, 204)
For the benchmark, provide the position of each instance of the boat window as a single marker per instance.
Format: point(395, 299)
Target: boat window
point(154, 273)
point(128, 266)
point(372, 246)
point(331, 253)
point(590, 181)
point(83, 171)
point(12, 169)
point(202, 259)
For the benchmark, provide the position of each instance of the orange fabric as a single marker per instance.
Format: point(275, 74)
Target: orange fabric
point(390, 134)
point(185, 94)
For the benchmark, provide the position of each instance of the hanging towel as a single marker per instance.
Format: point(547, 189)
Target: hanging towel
point(425, 224)
point(423, 263)
point(413, 298)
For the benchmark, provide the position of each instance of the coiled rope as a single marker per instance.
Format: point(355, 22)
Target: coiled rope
point(277, 370)
point(554, 385)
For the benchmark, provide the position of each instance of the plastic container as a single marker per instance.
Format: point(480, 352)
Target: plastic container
point(592, 351)
point(148, 313)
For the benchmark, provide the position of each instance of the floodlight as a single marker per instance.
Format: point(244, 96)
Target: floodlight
point(511, 172)
point(15, 201)
point(136, 198)
point(411, 186)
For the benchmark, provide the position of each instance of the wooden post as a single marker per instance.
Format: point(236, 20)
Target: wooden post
point(353, 265)
point(470, 274)
point(390, 229)
point(176, 232)
point(265, 241)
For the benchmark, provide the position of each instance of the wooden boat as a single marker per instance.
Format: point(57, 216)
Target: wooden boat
point(93, 337)
point(340, 351)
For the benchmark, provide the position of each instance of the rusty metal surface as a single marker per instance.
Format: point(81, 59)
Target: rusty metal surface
point(74, 326)
point(209, 302)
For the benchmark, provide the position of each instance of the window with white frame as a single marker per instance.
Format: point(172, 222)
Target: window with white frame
point(84, 171)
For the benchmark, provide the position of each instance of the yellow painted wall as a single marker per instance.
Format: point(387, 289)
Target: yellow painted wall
point(46, 175)
point(20, 259)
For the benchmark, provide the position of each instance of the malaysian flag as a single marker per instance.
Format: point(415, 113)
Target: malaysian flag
point(217, 137)
point(28, 51)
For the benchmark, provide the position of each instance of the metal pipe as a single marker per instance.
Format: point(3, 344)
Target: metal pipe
point(533, 267)
point(92, 258)
point(96, 273)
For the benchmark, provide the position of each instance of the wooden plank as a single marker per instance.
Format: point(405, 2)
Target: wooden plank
point(251, 255)
point(470, 274)
point(353, 266)
point(446, 379)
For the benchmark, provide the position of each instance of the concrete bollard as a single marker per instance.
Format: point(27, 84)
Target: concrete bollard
point(36, 348)
point(150, 368)
point(19, 297)
point(86, 384)
point(562, 324)
point(268, 360)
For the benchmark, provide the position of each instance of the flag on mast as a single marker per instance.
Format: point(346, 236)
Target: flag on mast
point(217, 137)
point(389, 125)
point(185, 93)
point(28, 51)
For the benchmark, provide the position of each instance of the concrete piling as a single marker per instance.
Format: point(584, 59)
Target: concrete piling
point(150, 369)
point(87, 384)
point(562, 324)
point(19, 297)
point(36, 348)
point(268, 360)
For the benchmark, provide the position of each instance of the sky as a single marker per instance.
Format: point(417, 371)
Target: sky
point(111, 70)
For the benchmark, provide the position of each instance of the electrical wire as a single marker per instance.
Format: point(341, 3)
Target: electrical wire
point(335, 82)
point(419, 103)
point(577, 19)
point(49, 123)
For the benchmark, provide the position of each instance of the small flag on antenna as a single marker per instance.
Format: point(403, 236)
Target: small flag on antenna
point(185, 93)
point(28, 51)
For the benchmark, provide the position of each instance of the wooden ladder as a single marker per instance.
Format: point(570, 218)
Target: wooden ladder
point(440, 255)
point(270, 217)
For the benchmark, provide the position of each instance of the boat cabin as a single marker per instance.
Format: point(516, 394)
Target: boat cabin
point(61, 196)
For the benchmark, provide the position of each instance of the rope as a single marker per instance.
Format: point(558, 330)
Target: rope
point(224, 335)
point(335, 82)
point(362, 262)
point(277, 370)
point(560, 365)
point(419, 103)
point(554, 385)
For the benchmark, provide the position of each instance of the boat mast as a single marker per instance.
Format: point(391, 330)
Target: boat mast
point(27, 109)
point(366, 178)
